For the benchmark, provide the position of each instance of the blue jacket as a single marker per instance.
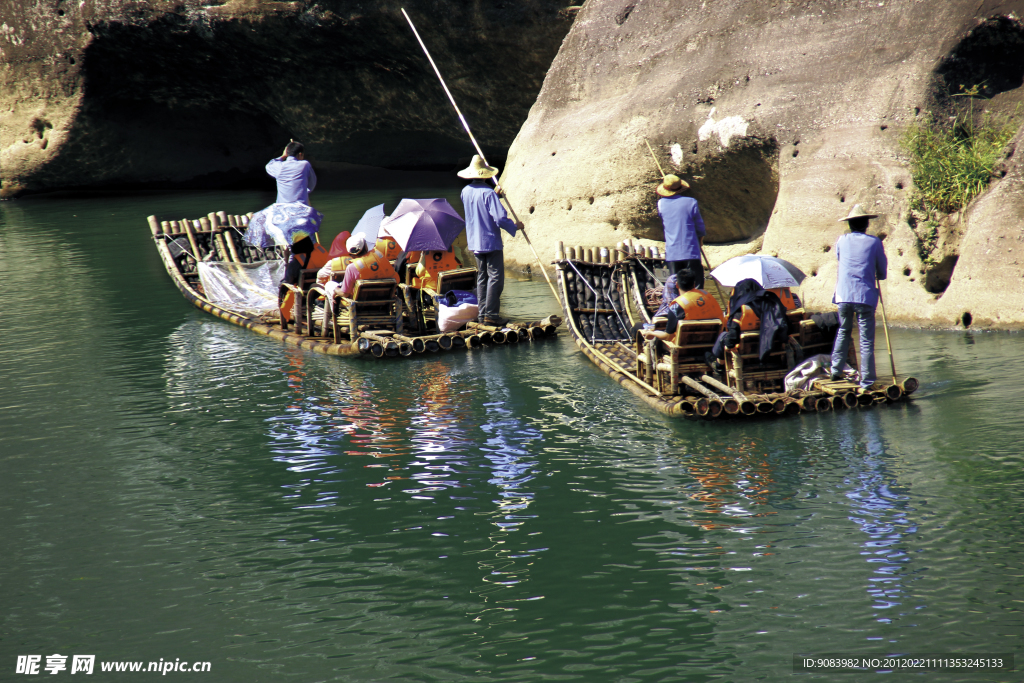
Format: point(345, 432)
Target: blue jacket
point(683, 225)
point(861, 261)
point(484, 216)
point(295, 179)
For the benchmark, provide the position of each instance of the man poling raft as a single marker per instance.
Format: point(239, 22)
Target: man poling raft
point(483, 158)
point(862, 263)
point(485, 219)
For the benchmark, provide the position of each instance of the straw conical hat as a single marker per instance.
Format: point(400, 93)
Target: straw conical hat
point(857, 212)
point(672, 185)
point(478, 169)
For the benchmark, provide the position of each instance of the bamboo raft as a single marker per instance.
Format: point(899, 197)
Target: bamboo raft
point(387, 328)
point(597, 286)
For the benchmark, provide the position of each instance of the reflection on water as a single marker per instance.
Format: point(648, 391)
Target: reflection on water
point(879, 506)
point(727, 480)
point(177, 486)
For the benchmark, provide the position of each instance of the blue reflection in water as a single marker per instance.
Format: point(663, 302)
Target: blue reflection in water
point(880, 507)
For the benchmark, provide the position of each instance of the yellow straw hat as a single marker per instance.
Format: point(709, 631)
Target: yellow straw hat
point(478, 169)
point(672, 185)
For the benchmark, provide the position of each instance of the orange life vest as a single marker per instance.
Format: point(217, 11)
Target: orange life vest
point(790, 300)
point(319, 257)
point(436, 262)
point(389, 247)
point(748, 320)
point(339, 264)
point(699, 305)
point(374, 266)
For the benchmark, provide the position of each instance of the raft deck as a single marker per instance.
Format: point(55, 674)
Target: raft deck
point(597, 285)
point(217, 237)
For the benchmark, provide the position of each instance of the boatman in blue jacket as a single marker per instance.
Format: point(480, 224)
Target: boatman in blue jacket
point(485, 219)
point(862, 263)
point(294, 175)
point(684, 227)
point(295, 180)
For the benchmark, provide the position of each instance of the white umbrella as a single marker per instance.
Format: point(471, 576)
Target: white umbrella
point(769, 271)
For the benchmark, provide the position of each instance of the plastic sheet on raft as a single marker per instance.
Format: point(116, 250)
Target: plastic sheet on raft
point(247, 288)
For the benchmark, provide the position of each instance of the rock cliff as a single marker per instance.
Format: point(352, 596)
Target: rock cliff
point(127, 92)
point(782, 115)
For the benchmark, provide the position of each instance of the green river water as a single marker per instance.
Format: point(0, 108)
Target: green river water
point(174, 487)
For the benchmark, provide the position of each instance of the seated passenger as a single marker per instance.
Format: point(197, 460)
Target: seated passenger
point(691, 304)
point(431, 264)
point(365, 265)
point(751, 308)
point(334, 267)
point(788, 298)
point(387, 245)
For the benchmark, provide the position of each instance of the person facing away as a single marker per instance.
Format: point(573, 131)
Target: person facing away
point(366, 264)
point(691, 304)
point(751, 307)
point(684, 227)
point(862, 262)
point(294, 175)
point(485, 219)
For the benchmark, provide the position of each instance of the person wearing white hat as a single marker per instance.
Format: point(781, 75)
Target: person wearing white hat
point(862, 263)
point(366, 264)
point(485, 219)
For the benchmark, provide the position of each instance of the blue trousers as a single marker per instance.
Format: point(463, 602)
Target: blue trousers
point(490, 281)
point(865, 314)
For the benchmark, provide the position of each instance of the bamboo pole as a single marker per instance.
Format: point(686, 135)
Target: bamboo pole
point(389, 345)
point(416, 343)
point(746, 404)
point(479, 151)
point(885, 326)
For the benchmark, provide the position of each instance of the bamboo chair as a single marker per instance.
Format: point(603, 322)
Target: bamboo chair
point(374, 304)
point(422, 308)
point(665, 362)
point(748, 372)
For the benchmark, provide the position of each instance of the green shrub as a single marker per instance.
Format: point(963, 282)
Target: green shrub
point(951, 163)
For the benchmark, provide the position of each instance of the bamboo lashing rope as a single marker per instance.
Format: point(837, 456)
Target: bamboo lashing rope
point(479, 151)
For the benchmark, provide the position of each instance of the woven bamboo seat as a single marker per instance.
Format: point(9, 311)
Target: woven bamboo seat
point(421, 309)
point(374, 304)
point(682, 356)
point(460, 278)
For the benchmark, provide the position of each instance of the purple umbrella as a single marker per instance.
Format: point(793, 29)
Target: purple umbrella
point(424, 224)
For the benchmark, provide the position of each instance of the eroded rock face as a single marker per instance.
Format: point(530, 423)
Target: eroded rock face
point(105, 92)
point(783, 115)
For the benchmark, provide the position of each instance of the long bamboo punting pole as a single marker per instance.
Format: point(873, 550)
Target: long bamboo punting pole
point(885, 325)
point(476, 145)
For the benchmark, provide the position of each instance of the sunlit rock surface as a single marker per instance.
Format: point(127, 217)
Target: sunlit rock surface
point(123, 92)
point(783, 115)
